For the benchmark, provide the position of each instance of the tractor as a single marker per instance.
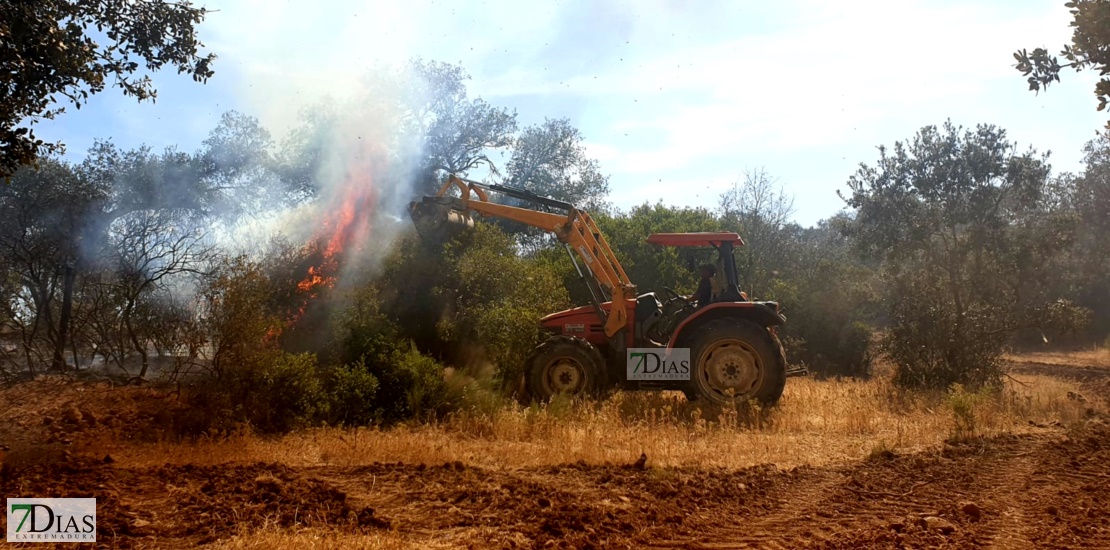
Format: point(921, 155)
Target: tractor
point(734, 354)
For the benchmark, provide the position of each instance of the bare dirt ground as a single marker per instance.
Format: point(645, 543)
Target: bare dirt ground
point(1048, 488)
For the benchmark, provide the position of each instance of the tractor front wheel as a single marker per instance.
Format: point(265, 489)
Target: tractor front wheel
point(565, 365)
point(734, 361)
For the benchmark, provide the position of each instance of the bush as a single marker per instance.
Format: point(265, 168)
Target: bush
point(288, 393)
point(361, 332)
point(425, 389)
point(406, 383)
point(497, 299)
point(964, 405)
point(353, 393)
point(281, 392)
point(471, 301)
point(237, 322)
point(250, 379)
point(932, 348)
point(830, 343)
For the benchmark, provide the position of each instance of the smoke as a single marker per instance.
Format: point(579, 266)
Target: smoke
point(349, 146)
point(331, 82)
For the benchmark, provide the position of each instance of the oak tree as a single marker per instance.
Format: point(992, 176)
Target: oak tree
point(63, 51)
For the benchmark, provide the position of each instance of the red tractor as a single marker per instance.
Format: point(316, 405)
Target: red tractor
point(724, 351)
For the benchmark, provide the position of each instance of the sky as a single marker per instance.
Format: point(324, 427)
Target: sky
point(676, 100)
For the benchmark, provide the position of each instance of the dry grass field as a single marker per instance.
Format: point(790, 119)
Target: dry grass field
point(838, 464)
point(817, 423)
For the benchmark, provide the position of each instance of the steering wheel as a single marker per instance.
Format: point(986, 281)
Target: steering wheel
point(676, 295)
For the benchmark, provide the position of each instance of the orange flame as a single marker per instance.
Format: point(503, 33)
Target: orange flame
point(345, 228)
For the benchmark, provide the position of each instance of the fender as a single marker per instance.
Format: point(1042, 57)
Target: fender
point(763, 313)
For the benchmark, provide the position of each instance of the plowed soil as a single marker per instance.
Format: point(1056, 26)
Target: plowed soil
point(1048, 489)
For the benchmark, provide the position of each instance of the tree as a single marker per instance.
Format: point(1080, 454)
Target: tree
point(418, 122)
point(236, 169)
point(964, 231)
point(458, 133)
point(828, 297)
point(70, 49)
point(759, 212)
point(1088, 273)
point(550, 160)
point(44, 224)
point(1089, 49)
point(94, 252)
point(148, 248)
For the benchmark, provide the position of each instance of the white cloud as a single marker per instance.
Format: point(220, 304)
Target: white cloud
point(745, 80)
point(600, 151)
point(840, 79)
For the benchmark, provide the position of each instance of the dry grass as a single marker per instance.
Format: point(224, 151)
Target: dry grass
point(310, 539)
point(1094, 357)
point(818, 422)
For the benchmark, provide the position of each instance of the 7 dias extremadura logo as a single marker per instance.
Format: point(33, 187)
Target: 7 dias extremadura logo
point(658, 364)
point(51, 519)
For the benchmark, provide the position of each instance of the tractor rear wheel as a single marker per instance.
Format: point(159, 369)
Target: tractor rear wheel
point(565, 365)
point(733, 361)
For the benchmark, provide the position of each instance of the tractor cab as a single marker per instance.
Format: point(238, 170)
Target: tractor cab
point(726, 287)
point(657, 319)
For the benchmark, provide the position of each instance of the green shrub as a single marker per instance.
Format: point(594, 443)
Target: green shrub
point(932, 346)
point(964, 405)
point(353, 393)
point(405, 384)
point(288, 393)
point(426, 391)
point(280, 392)
point(471, 301)
point(361, 332)
point(498, 299)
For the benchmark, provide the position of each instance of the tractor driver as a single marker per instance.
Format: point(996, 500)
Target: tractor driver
point(704, 294)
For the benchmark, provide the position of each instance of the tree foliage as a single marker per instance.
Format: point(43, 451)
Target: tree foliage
point(1089, 49)
point(67, 50)
point(965, 230)
point(550, 160)
point(458, 132)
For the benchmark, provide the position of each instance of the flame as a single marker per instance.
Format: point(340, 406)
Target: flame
point(345, 229)
point(315, 279)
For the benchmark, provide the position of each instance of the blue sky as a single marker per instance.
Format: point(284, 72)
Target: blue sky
point(675, 99)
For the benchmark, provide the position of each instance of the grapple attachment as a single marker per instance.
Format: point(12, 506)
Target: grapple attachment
point(438, 220)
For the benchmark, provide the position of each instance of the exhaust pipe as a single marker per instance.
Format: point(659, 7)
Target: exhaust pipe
point(437, 222)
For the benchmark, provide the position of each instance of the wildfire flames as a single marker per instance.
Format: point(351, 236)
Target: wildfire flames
point(344, 230)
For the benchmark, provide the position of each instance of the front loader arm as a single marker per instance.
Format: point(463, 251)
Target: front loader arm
point(575, 229)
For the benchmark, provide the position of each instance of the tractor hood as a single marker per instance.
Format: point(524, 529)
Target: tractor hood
point(580, 320)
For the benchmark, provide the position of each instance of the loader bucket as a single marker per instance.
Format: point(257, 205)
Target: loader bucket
point(436, 222)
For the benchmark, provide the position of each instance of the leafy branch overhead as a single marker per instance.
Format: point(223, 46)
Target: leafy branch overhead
point(63, 51)
point(1089, 49)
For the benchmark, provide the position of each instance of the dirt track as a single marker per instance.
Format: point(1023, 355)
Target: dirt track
point(1049, 490)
